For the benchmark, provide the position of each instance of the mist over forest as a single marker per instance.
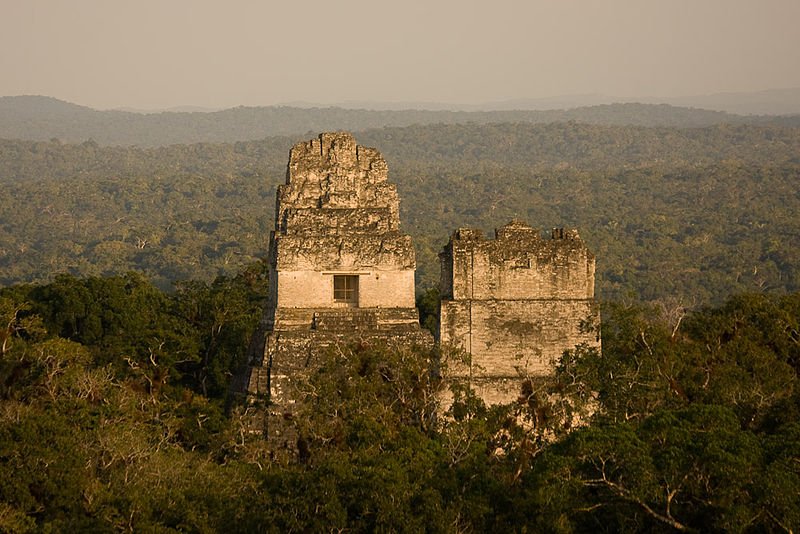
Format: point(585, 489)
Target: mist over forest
point(45, 118)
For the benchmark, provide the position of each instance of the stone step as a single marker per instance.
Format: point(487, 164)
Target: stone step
point(344, 320)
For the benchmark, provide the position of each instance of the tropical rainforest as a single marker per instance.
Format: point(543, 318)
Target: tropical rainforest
point(696, 213)
point(133, 277)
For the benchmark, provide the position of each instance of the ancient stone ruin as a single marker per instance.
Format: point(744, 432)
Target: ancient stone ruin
point(515, 303)
point(339, 267)
point(340, 270)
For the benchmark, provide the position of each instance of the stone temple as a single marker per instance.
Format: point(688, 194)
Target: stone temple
point(515, 303)
point(340, 270)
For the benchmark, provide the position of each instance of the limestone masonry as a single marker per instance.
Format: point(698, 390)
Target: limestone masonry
point(515, 303)
point(340, 270)
point(339, 267)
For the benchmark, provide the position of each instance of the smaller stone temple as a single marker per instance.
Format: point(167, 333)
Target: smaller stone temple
point(515, 303)
point(340, 270)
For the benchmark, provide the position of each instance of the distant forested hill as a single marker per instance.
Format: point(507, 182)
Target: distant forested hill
point(44, 118)
point(696, 213)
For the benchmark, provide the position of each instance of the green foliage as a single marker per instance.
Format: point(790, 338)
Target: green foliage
point(225, 314)
point(195, 337)
point(686, 421)
point(428, 305)
point(688, 469)
point(87, 440)
point(688, 407)
point(125, 319)
point(111, 389)
point(662, 208)
point(363, 396)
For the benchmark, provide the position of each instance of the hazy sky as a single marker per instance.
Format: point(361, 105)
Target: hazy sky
point(163, 53)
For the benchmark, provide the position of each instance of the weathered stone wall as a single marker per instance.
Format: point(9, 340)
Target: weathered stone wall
point(515, 303)
point(509, 338)
point(377, 289)
point(387, 251)
point(337, 214)
point(517, 264)
point(334, 172)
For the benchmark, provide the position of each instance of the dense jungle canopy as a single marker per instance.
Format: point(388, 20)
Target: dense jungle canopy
point(692, 213)
point(132, 278)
